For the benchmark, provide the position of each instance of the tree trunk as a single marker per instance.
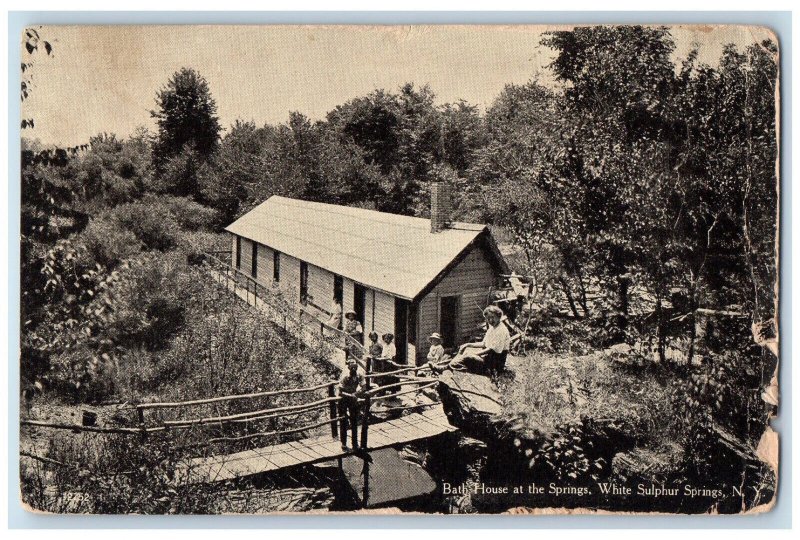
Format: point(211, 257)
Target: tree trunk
point(570, 299)
point(582, 298)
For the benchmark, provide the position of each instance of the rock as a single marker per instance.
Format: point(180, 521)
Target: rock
point(471, 402)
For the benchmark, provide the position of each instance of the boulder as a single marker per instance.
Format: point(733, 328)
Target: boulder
point(471, 402)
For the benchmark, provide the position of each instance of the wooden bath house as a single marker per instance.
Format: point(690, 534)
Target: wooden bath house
point(406, 275)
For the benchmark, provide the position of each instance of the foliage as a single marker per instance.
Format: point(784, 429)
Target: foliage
point(156, 227)
point(186, 117)
point(636, 190)
point(106, 244)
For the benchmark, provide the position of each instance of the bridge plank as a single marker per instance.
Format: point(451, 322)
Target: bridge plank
point(314, 449)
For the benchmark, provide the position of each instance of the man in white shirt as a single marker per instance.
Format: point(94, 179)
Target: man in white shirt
point(495, 344)
point(389, 349)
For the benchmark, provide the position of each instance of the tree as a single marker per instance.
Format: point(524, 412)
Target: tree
point(186, 118)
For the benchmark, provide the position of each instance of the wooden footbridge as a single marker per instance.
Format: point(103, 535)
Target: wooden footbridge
point(353, 426)
point(401, 430)
point(392, 410)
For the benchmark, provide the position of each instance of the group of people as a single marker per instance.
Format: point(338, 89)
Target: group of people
point(491, 352)
point(378, 347)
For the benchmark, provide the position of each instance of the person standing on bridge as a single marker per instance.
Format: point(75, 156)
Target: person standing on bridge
point(352, 384)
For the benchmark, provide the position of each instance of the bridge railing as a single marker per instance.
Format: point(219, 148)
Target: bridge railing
point(296, 316)
point(347, 415)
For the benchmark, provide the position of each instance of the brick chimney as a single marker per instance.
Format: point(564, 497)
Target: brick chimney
point(440, 206)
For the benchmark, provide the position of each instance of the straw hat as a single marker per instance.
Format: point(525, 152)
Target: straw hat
point(349, 312)
point(435, 335)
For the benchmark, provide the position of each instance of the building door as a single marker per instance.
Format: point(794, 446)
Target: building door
point(303, 282)
point(338, 289)
point(448, 320)
point(401, 329)
point(359, 304)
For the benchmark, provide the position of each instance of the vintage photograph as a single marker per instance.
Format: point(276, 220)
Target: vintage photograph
point(443, 269)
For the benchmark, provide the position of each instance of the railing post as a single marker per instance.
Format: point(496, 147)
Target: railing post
point(332, 409)
point(364, 424)
point(140, 414)
point(354, 423)
point(343, 414)
point(368, 367)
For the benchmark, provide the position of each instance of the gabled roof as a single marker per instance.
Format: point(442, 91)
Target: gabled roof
point(389, 252)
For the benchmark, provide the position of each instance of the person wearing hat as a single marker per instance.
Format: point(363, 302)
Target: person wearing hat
point(351, 384)
point(352, 327)
point(436, 351)
point(389, 349)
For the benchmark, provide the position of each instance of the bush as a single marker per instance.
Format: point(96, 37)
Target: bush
point(195, 244)
point(107, 244)
point(152, 300)
point(153, 225)
point(189, 214)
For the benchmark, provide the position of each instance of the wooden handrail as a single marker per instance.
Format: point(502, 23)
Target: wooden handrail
point(285, 308)
point(233, 397)
point(272, 433)
point(418, 389)
point(394, 385)
point(230, 417)
point(92, 429)
point(284, 414)
point(407, 407)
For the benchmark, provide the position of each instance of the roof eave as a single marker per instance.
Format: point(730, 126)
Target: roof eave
point(485, 235)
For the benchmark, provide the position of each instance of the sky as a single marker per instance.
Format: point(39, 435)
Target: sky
point(105, 78)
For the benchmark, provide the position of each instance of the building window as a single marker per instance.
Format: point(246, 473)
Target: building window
point(276, 266)
point(254, 261)
point(238, 252)
point(303, 282)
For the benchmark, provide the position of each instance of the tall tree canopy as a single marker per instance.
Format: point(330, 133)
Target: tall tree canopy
point(186, 118)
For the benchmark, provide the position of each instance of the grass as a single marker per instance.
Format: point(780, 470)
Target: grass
point(217, 345)
point(550, 390)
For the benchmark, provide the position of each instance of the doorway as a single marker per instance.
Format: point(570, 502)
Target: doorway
point(338, 289)
point(359, 304)
point(303, 282)
point(448, 320)
point(401, 329)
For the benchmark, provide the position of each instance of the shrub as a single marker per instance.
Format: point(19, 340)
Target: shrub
point(189, 214)
point(152, 299)
point(107, 243)
point(153, 225)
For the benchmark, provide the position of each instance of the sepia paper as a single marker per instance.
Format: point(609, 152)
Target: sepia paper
point(399, 269)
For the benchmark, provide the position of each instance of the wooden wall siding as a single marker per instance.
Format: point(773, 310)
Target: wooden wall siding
point(320, 287)
point(347, 295)
point(290, 277)
point(384, 313)
point(427, 322)
point(247, 257)
point(265, 265)
point(470, 280)
point(233, 250)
